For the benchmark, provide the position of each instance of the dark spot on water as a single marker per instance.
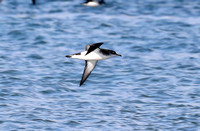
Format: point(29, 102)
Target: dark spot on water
point(35, 56)
point(43, 120)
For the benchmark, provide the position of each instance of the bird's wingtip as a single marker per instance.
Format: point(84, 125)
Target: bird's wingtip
point(80, 84)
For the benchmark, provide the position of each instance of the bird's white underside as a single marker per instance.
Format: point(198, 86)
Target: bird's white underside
point(94, 55)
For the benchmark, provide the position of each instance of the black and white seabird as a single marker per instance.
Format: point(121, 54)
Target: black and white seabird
point(91, 55)
point(93, 3)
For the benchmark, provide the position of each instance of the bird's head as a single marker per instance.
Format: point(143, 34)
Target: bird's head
point(113, 53)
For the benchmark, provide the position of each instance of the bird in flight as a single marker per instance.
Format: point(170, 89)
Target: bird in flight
point(91, 55)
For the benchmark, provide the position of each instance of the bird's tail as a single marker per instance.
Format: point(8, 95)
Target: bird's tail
point(69, 56)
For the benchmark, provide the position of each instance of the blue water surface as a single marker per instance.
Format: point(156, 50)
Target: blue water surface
point(155, 85)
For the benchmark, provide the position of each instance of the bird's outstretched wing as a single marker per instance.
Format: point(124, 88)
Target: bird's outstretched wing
point(89, 66)
point(92, 47)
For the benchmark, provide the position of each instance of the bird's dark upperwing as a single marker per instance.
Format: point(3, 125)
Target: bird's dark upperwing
point(89, 66)
point(92, 47)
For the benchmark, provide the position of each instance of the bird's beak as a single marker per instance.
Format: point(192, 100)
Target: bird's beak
point(119, 55)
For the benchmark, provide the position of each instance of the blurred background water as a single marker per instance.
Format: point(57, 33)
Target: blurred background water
point(154, 86)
